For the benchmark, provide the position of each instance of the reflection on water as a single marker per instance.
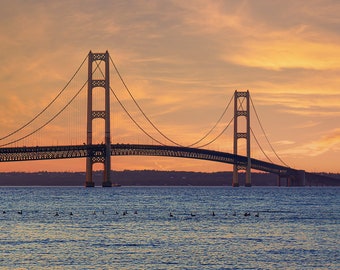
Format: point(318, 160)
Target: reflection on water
point(297, 228)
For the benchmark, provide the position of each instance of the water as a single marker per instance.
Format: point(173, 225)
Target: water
point(297, 228)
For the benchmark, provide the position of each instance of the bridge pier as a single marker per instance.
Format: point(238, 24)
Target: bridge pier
point(279, 180)
point(299, 179)
point(107, 177)
point(89, 171)
point(296, 179)
point(89, 184)
point(235, 182)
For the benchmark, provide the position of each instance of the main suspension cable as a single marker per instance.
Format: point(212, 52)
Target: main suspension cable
point(54, 117)
point(140, 109)
point(258, 144)
point(49, 105)
point(49, 121)
point(258, 119)
point(219, 135)
point(126, 111)
point(157, 129)
point(218, 121)
point(133, 120)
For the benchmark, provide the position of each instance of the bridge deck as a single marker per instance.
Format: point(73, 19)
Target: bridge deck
point(97, 152)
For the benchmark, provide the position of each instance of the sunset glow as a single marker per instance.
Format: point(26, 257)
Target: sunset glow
point(182, 61)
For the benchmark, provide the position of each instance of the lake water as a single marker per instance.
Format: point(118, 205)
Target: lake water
point(297, 228)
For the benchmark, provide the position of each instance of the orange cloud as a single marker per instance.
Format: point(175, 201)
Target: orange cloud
point(330, 141)
point(182, 60)
point(278, 54)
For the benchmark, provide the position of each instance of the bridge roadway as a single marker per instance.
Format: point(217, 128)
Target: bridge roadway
point(97, 151)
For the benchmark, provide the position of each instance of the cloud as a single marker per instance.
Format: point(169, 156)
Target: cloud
point(279, 54)
point(284, 142)
point(182, 61)
point(292, 101)
point(329, 141)
point(258, 34)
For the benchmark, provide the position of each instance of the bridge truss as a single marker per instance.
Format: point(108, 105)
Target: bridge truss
point(98, 153)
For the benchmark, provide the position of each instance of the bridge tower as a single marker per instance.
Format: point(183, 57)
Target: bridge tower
point(239, 111)
point(105, 156)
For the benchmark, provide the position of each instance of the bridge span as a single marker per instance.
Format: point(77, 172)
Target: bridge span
point(98, 152)
point(99, 77)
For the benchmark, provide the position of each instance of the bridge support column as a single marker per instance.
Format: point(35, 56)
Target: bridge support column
point(298, 179)
point(239, 98)
point(302, 178)
point(235, 182)
point(104, 114)
point(285, 177)
point(89, 181)
point(295, 178)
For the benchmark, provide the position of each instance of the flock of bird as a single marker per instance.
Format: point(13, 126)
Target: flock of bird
point(124, 213)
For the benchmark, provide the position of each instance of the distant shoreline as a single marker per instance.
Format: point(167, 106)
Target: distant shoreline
point(155, 178)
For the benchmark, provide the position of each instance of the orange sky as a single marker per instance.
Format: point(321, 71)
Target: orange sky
point(182, 60)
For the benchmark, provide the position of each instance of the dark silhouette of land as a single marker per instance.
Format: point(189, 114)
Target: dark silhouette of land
point(156, 178)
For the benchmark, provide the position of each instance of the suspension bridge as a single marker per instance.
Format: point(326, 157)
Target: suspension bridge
point(18, 145)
